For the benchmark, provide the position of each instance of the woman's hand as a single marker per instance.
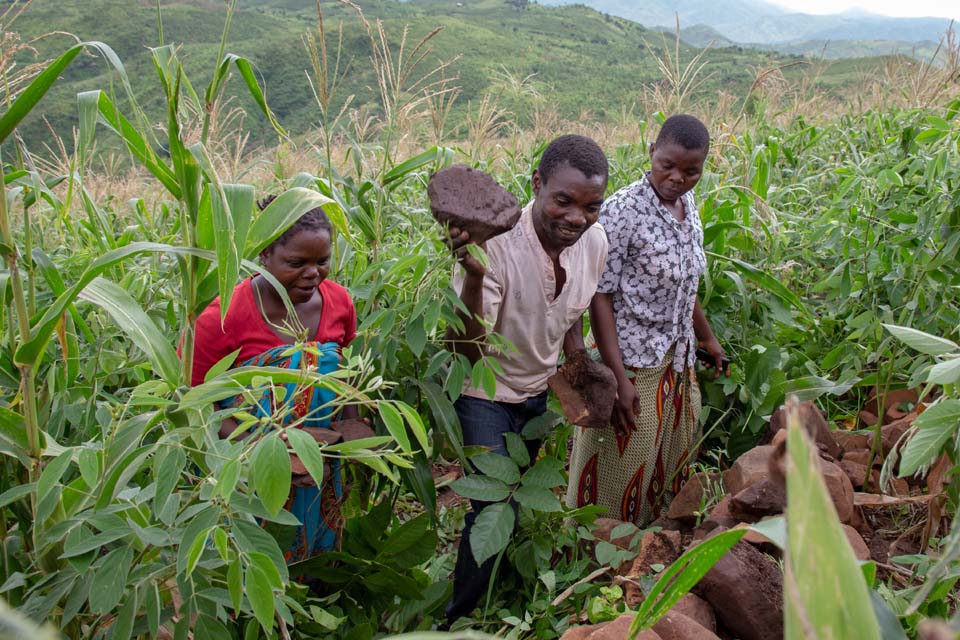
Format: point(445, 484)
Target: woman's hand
point(458, 239)
point(626, 409)
point(712, 346)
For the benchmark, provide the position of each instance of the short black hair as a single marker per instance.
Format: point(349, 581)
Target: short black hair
point(313, 220)
point(580, 152)
point(686, 131)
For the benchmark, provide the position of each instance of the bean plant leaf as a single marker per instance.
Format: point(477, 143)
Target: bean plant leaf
point(260, 594)
point(308, 450)
point(393, 421)
point(110, 580)
point(540, 427)
point(537, 498)
point(415, 422)
point(546, 473)
point(947, 372)
point(478, 487)
point(935, 427)
point(497, 466)
point(517, 449)
point(271, 473)
point(491, 531)
point(921, 341)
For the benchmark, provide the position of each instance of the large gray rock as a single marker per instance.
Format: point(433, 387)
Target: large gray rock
point(463, 197)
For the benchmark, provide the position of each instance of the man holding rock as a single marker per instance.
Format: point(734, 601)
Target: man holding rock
point(539, 279)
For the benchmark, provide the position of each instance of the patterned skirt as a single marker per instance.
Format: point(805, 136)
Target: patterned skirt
point(635, 476)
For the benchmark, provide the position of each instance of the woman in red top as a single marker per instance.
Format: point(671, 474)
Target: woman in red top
point(259, 325)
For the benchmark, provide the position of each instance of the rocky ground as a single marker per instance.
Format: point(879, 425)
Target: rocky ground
point(741, 597)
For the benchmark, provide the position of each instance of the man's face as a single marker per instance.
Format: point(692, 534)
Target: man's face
point(566, 205)
point(674, 170)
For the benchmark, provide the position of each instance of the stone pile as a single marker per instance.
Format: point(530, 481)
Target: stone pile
point(741, 596)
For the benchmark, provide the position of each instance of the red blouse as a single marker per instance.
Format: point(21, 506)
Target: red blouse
point(246, 329)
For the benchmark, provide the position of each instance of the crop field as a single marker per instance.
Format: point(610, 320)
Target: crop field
point(832, 233)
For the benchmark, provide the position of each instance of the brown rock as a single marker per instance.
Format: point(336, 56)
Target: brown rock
point(778, 437)
point(698, 610)
point(745, 590)
point(901, 487)
point(894, 399)
point(689, 499)
point(463, 197)
point(860, 549)
point(581, 632)
point(867, 418)
point(668, 524)
point(749, 468)
point(723, 515)
point(656, 547)
point(855, 471)
point(815, 424)
point(617, 630)
point(892, 432)
point(586, 389)
point(353, 429)
point(676, 626)
point(760, 499)
point(860, 457)
point(851, 440)
point(840, 488)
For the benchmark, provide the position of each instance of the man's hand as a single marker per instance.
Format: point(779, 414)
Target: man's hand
point(626, 409)
point(716, 352)
point(458, 239)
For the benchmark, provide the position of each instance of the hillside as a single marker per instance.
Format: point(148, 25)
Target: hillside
point(575, 57)
point(754, 22)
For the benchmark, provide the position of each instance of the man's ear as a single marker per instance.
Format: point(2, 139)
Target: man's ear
point(535, 181)
point(653, 147)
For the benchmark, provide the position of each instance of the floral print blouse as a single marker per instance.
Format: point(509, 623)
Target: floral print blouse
point(653, 270)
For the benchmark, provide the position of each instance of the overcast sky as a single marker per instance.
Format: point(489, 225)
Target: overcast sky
point(943, 8)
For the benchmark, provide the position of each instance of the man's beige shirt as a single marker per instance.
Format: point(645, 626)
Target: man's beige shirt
point(519, 303)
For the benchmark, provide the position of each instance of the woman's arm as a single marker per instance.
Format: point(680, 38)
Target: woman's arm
point(604, 325)
point(708, 341)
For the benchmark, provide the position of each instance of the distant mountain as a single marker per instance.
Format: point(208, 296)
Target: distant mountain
point(755, 21)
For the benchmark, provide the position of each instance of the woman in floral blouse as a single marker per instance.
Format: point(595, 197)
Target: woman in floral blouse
point(647, 320)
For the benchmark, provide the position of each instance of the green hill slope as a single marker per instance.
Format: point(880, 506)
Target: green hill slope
point(576, 57)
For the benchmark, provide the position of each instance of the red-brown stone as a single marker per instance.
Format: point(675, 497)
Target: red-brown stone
point(697, 609)
point(745, 590)
point(676, 626)
point(855, 471)
point(813, 421)
point(586, 389)
point(749, 468)
point(471, 200)
point(760, 499)
point(690, 498)
point(860, 549)
point(851, 440)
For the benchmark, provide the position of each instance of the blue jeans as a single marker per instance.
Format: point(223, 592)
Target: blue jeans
point(484, 423)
